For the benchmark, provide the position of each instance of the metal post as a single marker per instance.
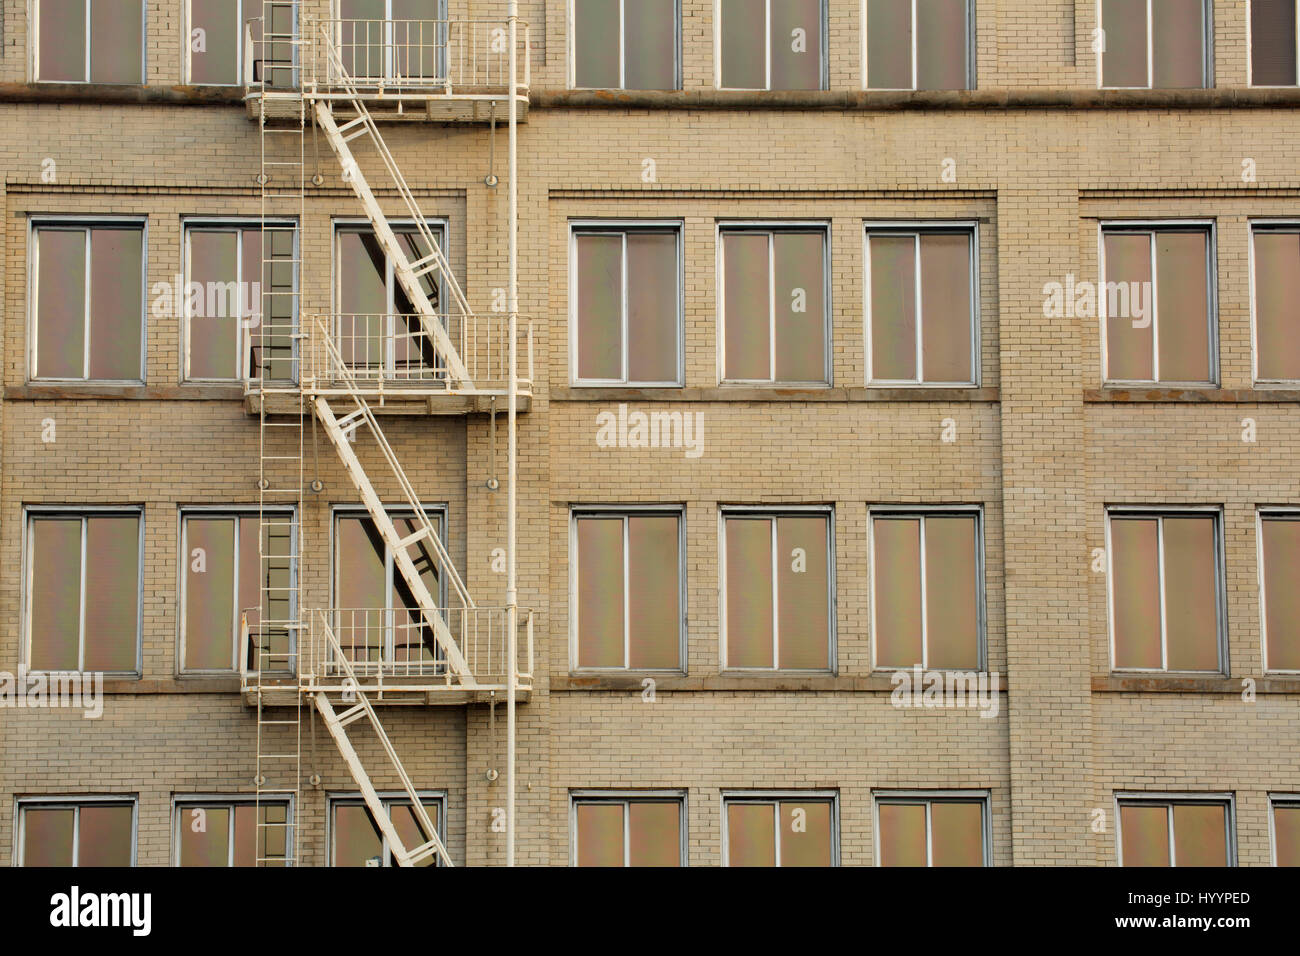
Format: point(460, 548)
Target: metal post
point(512, 305)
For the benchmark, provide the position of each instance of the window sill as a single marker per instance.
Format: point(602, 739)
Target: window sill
point(171, 685)
point(1185, 683)
point(773, 683)
point(53, 91)
point(38, 392)
point(1157, 394)
point(777, 393)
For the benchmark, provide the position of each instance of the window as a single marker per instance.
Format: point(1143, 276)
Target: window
point(1166, 591)
point(1192, 831)
point(88, 302)
point(774, 305)
point(920, 44)
point(216, 55)
point(771, 44)
point(780, 829)
point(1154, 44)
point(627, 590)
point(239, 319)
point(89, 41)
point(274, 62)
point(1286, 830)
point(927, 589)
point(1279, 586)
point(921, 314)
point(356, 840)
point(1156, 303)
point(920, 829)
point(378, 619)
point(1275, 301)
point(83, 591)
point(633, 830)
point(227, 577)
point(626, 44)
point(226, 832)
point(393, 39)
point(626, 305)
point(777, 603)
point(1273, 42)
point(91, 831)
point(378, 330)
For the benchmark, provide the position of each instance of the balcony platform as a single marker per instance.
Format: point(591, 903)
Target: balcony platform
point(391, 692)
point(470, 106)
point(392, 401)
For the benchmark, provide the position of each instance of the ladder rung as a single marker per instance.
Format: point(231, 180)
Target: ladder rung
point(424, 532)
point(263, 790)
point(276, 723)
point(277, 756)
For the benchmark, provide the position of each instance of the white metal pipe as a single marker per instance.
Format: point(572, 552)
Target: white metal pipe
point(512, 305)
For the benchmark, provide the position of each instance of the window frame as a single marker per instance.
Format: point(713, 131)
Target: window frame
point(971, 50)
point(86, 224)
point(34, 62)
point(73, 802)
point(1275, 800)
point(1151, 227)
point(771, 228)
point(981, 606)
point(572, 49)
point(1250, 53)
point(983, 797)
point(181, 802)
point(823, 52)
point(1227, 800)
point(187, 54)
point(626, 798)
point(337, 798)
point(33, 512)
point(1262, 514)
point(1161, 512)
point(581, 227)
point(1253, 228)
point(774, 512)
point(1207, 50)
point(918, 228)
point(622, 511)
point(775, 798)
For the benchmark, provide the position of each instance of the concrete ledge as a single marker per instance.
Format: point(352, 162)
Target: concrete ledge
point(1180, 684)
point(1190, 395)
point(618, 684)
point(156, 393)
point(113, 93)
point(172, 685)
point(745, 393)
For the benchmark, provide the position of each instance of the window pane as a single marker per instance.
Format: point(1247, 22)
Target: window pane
point(275, 574)
point(896, 591)
point(652, 307)
point(410, 832)
point(600, 592)
point(893, 308)
point(1200, 835)
point(356, 839)
point(600, 834)
point(889, 44)
point(941, 46)
point(272, 339)
point(1184, 303)
point(61, 303)
point(956, 834)
point(1272, 43)
point(416, 36)
point(47, 836)
point(902, 834)
point(112, 593)
point(946, 313)
point(650, 45)
point(750, 837)
point(1191, 595)
point(744, 44)
point(952, 593)
point(362, 36)
point(655, 837)
point(214, 325)
point(361, 587)
point(363, 297)
point(1124, 62)
point(595, 43)
point(1129, 350)
point(654, 613)
point(747, 317)
point(796, 58)
point(209, 592)
point(812, 845)
point(1177, 43)
point(62, 41)
point(413, 639)
point(55, 573)
point(270, 842)
point(1146, 835)
point(600, 306)
point(205, 836)
point(1286, 835)
point(1280, 542)
point(104, 836)
point(223, 35)
point(116, 309)
point(800, 280)
point(116, 41)
point(749, 592)
point(1135, 592)
point(803, 589)
point(1277, 304)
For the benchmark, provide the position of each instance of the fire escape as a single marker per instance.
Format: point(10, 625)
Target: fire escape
point(342, 79)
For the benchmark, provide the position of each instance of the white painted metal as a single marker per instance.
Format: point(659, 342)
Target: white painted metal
point(512, 394)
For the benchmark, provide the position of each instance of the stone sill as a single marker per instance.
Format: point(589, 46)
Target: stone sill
point(758, 684)
point(746, 393)
point(157, 393)
point(1202, 395)
point(1180, 684)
